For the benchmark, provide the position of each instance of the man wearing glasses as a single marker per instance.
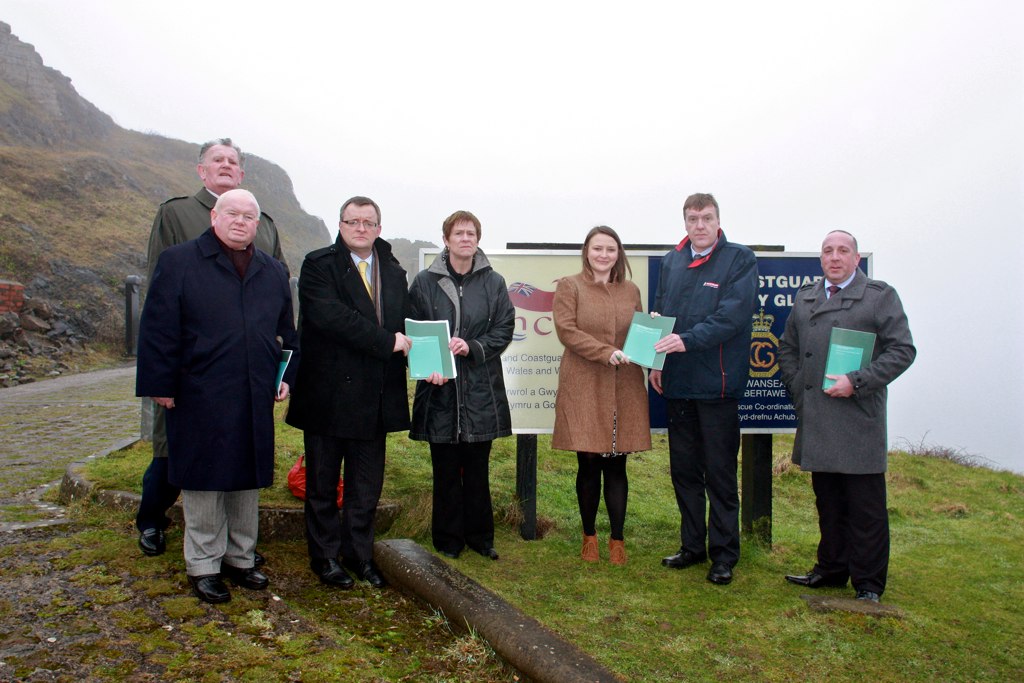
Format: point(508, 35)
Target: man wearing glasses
point(351, 388)
point(208, 355)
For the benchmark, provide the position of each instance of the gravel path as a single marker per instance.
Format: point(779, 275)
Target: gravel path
point(46, 425)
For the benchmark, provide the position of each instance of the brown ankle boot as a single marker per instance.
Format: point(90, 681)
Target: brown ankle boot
point(617, 551)
point(589, 553)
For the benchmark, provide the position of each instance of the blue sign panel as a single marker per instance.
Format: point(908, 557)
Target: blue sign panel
point(766, 406)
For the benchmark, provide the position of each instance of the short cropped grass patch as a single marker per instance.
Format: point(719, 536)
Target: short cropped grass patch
point(955, 573)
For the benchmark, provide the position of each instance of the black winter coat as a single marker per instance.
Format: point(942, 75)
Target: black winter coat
point(473, 407)
point(351, 384)
point(208, 339)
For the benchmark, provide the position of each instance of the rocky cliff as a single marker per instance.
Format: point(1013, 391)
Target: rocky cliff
point(77, 199)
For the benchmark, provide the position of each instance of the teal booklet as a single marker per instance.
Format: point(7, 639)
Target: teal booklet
point(644, 332)
point(286, 358)
point(848, 350)
point(430, 352)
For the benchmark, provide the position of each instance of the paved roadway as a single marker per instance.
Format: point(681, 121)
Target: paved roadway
point(49, 423)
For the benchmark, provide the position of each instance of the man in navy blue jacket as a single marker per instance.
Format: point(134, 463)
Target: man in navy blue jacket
point(710, 286)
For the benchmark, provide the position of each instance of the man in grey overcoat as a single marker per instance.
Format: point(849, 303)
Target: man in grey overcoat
point(841, 431)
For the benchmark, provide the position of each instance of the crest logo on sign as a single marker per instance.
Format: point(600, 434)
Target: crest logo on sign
point(764, 347)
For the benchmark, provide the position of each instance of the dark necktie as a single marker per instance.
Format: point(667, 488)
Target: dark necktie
point(833, 290)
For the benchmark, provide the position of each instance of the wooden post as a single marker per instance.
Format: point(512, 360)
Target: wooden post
point(132, 287)
point(526, 484)
point(756, 506)
point(293, 282)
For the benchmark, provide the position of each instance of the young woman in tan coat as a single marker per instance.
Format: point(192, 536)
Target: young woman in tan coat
point(601, 409)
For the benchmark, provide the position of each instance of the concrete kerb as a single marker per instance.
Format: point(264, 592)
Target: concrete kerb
point(275, 523)
point(520, 639)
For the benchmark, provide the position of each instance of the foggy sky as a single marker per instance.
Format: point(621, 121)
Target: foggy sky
point(898, 121)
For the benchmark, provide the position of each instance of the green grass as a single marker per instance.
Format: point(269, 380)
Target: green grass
point(956, 572)
point(117, 616)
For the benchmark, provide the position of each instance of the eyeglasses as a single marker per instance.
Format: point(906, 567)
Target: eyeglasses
point(369, 225)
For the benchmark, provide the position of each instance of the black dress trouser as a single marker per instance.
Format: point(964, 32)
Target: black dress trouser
point(462, 512)
point(703, 444)
point(854, 524)
point(349, 535)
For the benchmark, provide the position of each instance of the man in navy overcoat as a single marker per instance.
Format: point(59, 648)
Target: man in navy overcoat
point(209, 352)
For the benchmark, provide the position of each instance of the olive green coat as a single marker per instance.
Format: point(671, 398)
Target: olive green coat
point(591, 321)
point(181, 219)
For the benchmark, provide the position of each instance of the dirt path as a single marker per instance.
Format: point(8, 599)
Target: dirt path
point(79, 602)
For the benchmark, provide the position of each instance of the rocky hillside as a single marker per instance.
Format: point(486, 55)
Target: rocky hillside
point(77, 199)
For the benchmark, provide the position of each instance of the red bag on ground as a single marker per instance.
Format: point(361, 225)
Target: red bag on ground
point(297, 480)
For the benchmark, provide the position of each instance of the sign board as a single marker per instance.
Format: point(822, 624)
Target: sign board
point(531, 362)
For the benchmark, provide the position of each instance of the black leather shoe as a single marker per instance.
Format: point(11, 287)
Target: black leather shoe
point(870, 596)
point(152, 542)
point(209, 588)
point(331, 573)
point(720, 573)
point(813, 579)
point(490, 553)
point(257, 559)
point(366, 571)
point(453, 554)
point(246, 578)
point(683, 559)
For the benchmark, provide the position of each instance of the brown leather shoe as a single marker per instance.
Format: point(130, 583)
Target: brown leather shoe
point(589, 552)
point(617, 551)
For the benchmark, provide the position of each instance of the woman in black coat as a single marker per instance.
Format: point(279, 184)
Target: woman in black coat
point(461, 417)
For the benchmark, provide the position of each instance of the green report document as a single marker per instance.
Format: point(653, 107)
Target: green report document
point(286, 358)
point(848, 350)
point(430, 352)
point(644, 333)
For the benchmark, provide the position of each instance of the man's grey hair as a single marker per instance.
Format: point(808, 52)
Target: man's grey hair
point(221, 141)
